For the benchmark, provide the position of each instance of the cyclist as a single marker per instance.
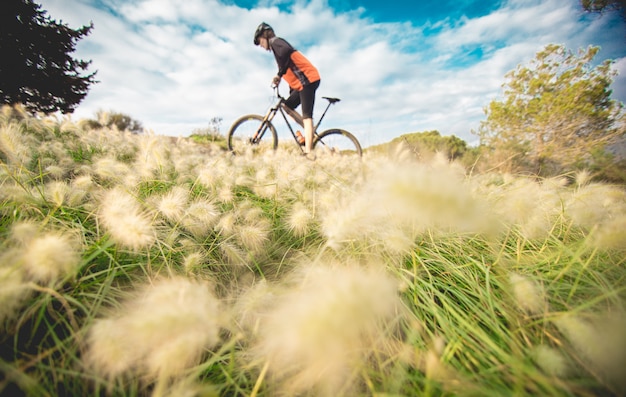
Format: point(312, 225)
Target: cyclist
point(302, 77)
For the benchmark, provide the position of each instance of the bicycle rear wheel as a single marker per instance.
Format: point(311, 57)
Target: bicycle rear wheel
point(336, 142)
point(242, 132)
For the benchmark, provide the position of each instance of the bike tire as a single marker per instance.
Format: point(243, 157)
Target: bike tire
point(243, 129)
point(337, 142)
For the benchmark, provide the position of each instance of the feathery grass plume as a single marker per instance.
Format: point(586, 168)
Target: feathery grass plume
point(55, 171)
point(248, 225)
point(611, 235)
point(253, 237)
point(434, 367)
point(11, 112)
point(398, 241)
point(200, 218)
point(530, 206)
point(188, 387)
point(193, 261)
point(57, 193)
point(250, 213)
point(126, 222)
point(412, 198)
point(225, 194)
point(109, 168)
point(226, 224)
point(232, 254)
point(44, 256)
point(244, 180)
point(158, 332)
point(599, 339)
point(13, 287)
point(266, 184)
point(594, 204)
point(80, 187)
point(172, 204)
point(152, 154)
point(252, 304)
point(210, 176)
point(267, 190)
point(550, 360)
point(51, 256)
point(328, 327)
point(299, 220)
point(10, 192)
point(14, 147)
point(528, 295)
point(23, 232)
point(583, 178)
point(55, 158)
point(265, 175)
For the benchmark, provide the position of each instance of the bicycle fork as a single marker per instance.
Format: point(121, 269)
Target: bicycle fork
point(269, 116)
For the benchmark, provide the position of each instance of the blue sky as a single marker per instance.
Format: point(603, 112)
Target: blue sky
point(398, 67)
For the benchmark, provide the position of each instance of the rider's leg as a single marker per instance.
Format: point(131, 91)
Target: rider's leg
point(308, 135)
point(307, 97)
point(293, 100)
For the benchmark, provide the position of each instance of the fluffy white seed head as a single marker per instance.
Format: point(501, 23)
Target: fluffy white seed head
point(600, 343)
point(159, 332)
point(109, 168)
point(193, 261)
point(299, 220)
point(411, 198)
point(200, 218)
point(253, 237)
point(55, 171)
point(528, 295)
point(326, 327)
point(51, 256)
point(172, 205)
point(23, 232)
point(527, 205)
point(226, 224)
point(550, 360)
point(13, 287)
point(57, 192)
point(594, 204)
point(13, 145)
point(611, 234)
point(225, 194)
point(124, 219)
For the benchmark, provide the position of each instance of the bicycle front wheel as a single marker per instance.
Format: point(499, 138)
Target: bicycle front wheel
point(252, 134)
point(336, 142)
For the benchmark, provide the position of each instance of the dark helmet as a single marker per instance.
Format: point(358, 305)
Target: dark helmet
point(263, 27)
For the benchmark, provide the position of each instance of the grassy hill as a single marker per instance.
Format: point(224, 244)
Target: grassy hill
point(140, 265)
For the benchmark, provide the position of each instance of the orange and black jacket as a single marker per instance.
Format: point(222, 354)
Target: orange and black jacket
point(292, 65)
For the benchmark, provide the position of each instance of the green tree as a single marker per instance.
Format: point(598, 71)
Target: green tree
point(432, 141)
point(425, 144)
point(602, 5)
point(36, 66)
point(556, 112)
point(120, 121)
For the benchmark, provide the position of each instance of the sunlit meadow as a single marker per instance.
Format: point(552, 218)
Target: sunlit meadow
point(143, 265)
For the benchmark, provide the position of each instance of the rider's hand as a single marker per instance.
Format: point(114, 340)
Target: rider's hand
point(275, 81)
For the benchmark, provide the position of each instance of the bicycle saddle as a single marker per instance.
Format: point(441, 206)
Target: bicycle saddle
point(331, 100)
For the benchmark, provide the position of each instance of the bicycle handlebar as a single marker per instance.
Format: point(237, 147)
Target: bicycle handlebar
point(276, 90)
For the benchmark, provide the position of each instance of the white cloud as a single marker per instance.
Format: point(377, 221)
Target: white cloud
point(175, 65)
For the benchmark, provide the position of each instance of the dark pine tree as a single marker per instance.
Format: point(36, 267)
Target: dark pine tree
point(36, 66)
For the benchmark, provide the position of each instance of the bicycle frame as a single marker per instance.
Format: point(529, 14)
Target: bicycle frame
point(284, 110)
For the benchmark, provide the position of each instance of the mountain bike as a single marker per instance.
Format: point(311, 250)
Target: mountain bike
point(256, 133)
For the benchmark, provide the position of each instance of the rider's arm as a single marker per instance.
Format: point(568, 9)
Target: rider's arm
point(282, 52)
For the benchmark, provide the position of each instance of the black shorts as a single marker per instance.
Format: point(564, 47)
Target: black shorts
point(306, 97)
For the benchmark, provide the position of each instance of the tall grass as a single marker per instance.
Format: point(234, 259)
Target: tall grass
point(143, 265)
